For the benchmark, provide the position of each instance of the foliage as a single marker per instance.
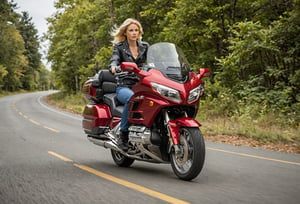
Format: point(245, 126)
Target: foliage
point(260, 69)
point(20, 60)
point(76, 36)
point(31, 44)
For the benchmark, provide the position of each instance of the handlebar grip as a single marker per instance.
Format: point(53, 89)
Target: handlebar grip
point(118, 69)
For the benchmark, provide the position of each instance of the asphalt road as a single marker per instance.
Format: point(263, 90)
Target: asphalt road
point(46, 158)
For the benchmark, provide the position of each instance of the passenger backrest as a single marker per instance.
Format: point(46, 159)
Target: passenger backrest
point(107, 92)
point(107, 84)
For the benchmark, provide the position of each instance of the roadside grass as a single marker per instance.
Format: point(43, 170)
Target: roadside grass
point(7, 93)
point(73, 103)
point(260, 128)
point(250, 123)
point(250, 129)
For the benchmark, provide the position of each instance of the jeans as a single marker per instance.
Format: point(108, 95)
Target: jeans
point(123, 95)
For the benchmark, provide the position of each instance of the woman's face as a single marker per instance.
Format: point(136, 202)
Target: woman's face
point(132, 32)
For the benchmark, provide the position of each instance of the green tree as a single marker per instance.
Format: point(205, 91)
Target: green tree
point(45, 79)
point(12, 60)
point(30, 37)
point(20, 59)
point(263, 64)
point(76, 36)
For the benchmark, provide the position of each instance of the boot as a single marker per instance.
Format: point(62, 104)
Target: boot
point(123, 141)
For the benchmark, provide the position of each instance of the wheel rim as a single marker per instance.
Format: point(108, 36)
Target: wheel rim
point(184, 161)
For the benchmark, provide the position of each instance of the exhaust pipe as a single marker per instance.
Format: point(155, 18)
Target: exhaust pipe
point(110, 144)
point(104, 143)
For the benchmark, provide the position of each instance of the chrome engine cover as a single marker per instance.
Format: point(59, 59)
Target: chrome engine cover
point(139, 135)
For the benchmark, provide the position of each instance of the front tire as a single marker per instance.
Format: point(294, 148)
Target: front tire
point(189, 162)
point(120, 159)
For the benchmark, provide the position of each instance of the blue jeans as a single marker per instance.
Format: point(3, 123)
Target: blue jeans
point(123, 95)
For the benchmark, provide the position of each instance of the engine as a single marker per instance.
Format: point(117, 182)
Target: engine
point(145, 143)
point(139, 135)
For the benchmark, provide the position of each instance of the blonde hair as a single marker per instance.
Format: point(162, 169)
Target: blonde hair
point(118, 33)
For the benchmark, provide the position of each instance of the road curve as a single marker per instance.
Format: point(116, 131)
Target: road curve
point(46, 158)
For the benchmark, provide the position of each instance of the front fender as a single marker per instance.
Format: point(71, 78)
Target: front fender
point(175, 125)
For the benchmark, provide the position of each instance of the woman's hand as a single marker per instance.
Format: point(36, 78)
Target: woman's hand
point(115, 69)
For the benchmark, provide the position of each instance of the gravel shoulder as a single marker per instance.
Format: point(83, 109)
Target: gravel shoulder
point(243, 141)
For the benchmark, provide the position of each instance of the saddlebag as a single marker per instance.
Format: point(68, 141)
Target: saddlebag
point(96, 118)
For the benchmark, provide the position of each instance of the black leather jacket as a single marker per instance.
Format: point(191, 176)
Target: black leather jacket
point(122, 53)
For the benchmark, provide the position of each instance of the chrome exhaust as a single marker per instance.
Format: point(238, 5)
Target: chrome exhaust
point(104, 143)
point(111, 145)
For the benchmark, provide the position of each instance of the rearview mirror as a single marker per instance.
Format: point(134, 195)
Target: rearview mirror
point(204, 72)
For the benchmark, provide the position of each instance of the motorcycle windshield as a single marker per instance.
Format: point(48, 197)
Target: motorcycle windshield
point(170, 60)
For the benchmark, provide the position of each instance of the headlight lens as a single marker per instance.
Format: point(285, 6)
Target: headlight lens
point(195, 93)
point(167, 92)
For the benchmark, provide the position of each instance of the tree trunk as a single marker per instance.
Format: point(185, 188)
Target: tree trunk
point(112, 13)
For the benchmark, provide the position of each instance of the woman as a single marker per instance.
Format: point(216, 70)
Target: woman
point(128, 47)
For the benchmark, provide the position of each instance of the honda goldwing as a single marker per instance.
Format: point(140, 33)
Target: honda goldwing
point(161, 112)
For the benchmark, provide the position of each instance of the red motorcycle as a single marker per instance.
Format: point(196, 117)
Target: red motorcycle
point(161, 113)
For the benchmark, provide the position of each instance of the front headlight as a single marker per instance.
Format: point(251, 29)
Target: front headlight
point(195, 93)
point(167, 92)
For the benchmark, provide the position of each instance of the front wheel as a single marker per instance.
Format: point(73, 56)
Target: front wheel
point(120, 159)
point(188, 162)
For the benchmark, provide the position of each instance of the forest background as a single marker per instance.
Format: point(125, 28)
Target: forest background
point(251, 46)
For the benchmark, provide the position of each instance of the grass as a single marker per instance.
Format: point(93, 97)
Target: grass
point(270, 134)
point(72, 103)
point(7, 93)
point(249, 122)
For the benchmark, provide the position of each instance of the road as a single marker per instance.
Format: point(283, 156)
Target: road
point(46, 158)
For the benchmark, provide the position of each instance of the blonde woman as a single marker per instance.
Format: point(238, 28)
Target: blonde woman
point(128, 47)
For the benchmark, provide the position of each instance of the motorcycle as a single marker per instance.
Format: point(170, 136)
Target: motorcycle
point(161, 112)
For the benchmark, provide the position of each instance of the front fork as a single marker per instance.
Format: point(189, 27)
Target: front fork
point(174, 126)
